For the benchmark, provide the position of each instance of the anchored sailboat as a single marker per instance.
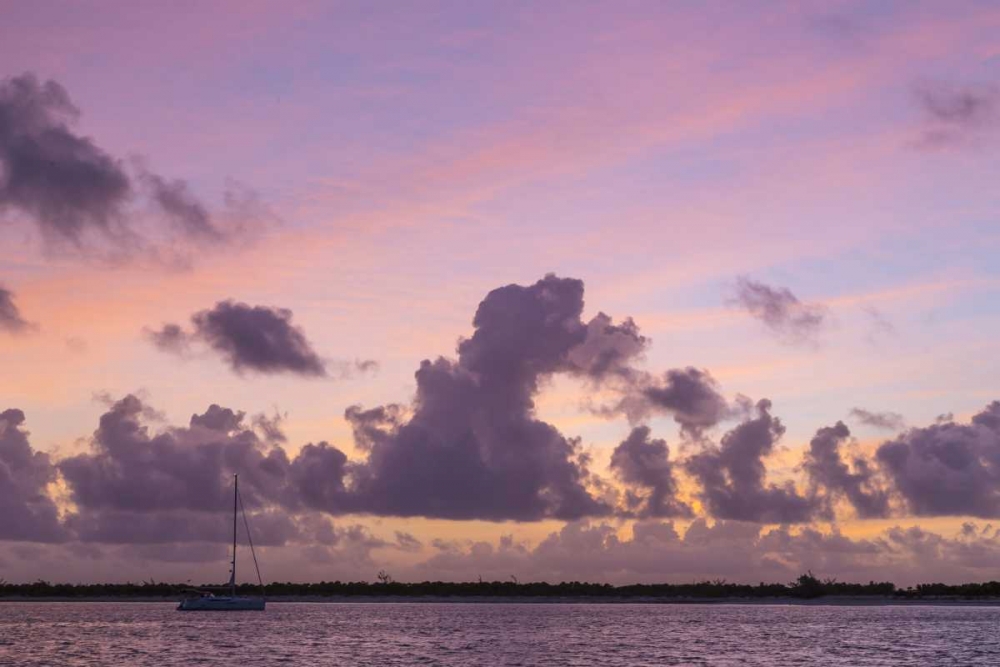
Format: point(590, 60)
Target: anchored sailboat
point(208, 601)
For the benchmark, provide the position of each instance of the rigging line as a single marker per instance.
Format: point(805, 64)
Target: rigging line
point(250, 541)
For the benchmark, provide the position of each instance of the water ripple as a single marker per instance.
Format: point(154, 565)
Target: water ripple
point(79, 634)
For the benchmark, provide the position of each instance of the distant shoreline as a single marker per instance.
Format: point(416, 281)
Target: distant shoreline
point(825, 601)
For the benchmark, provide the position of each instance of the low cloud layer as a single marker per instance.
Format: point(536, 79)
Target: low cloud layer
point(257, 339)
point(780, 311)
point(739, 552)
point(948, 469)
point(11, 320)
point(470, 446)
point(945, 469)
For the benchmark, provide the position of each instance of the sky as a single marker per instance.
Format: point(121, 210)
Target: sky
point(623, 292)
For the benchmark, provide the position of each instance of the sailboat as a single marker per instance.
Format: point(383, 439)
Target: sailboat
point(205, 600)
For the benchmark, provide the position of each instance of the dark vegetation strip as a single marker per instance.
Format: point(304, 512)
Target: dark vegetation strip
point(806, 586)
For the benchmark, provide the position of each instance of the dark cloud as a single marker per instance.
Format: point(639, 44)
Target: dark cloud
point(317, 478)
point(183, 209)
point(644, 466)
point(129, 468)
point(956, 113)
point(948, 468)
point(831, 477)
point(217, 418)
point(270, 428)
point(374, 426)
point(690, 395)
point(258, 338)
point(27, 512)
point(732, 475)
point(10, 317)
point(606, 356)
point(270, 528)
point(61, 180)
point(250, 338)
point(472, 446)
point(608, 349)
point(890, 421)
point(76, 192)
point(780, 311)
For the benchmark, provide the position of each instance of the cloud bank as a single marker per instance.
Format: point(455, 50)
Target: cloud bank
point(470, 446)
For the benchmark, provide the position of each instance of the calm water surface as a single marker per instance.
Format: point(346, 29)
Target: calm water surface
point(78, 633)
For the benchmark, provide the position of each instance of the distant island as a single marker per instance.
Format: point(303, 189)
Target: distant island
point(806, 587)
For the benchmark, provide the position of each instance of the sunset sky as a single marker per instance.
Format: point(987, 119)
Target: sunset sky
point(697, 237)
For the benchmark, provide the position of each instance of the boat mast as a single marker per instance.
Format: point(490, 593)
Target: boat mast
point(236, 492)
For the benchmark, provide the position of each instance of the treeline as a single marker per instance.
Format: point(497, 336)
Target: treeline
point(806, 586)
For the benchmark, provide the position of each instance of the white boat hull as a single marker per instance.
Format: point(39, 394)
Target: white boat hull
point(221, 603)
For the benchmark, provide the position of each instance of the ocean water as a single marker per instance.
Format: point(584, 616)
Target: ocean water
point(135, 633)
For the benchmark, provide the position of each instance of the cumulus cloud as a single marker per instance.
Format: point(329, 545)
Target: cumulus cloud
point(733, 478)
point(131, 468)
point(956, 114)
point(947, 468)
point(250, 338)
point(781, 311)
point(471, 446)
point(644, 466)
point(139, 489)
point(11, 320)
point(831, 476)
point(889, 421)
point(27, 512)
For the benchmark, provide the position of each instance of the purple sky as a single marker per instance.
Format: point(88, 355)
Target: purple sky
point(608, 291)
